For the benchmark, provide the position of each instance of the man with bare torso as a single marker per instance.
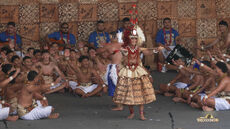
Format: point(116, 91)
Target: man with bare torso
point(219, 97)
point(180, 81)
point(11, 91)
point(49, 70)
point(86, 87)
point(67, 65)
point(31, 104)
point(5, 108)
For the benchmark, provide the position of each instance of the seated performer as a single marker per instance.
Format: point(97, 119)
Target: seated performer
point(31, 104)
point(10, 37)
point(67, 65)
point(85, 75)
point(196, 82)
point(4, 112)
point(30, 52)
point(219, 98)
point(134, 86)
point(99, 37)
point(49, 70)
point(16, 61)
point(209, 85)
point(5, 108)
point(166, 38)
point(63, 37)
point(27, 64)
point(181, 81)
point(221, 42)
point(3, 56)
point(37, 56)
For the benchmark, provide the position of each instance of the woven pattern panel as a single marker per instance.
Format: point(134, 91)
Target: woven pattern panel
point(84, 29)
point(28, 13)
point(195, 20)
point(167, 9)
point(206, 9)
point(68, 12)
point(47, 28)
point(9, 13)
point(147, 10)
point(187, 27)
point(108, 11)
point(87, 12)
point(206, 28)
point(222, 8)
point(187, 8)
point(49, 13)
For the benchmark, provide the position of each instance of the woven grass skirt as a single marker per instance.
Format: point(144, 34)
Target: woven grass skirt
point(134, 87)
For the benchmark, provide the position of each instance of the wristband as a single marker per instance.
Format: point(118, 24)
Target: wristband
point(154, 51)
point(213, 59)
point(191, 95)
point(224, 55)
point(44, 98)
point(11, 78)
point(180, 66)
point(103, 85)
point(202, 47)
point(205, 96)
point(201, 64)
point(169, 84)
point(227, 59)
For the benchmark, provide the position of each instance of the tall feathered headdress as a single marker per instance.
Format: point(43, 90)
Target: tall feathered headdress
point(136, 30)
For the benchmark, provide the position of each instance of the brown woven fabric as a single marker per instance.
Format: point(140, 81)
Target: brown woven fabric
point(135, 91)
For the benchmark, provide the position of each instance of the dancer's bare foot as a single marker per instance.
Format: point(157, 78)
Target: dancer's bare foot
point(12, 118)
point(142, 117)
point(194, 105)
point(206, 108)
point(131, 116)
point(117, 109)
point(54, 116)
point(177, 100)
point(168, 94)
point(158, 92)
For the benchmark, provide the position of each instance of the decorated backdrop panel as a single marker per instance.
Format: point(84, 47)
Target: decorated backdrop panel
point(196, 20)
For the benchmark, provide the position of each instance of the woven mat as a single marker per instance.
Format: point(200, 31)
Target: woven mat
point(147, 10)
point(47, 28)
point(28, 13)
point(206, 28)
point(206, 9)
point(84, 29)
point(68, 12)
point(108, 11)
point(8, 13)
point(167, 9)
point(48, 13)
point(87, 12)
point(187, 27)
point(187, 8)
